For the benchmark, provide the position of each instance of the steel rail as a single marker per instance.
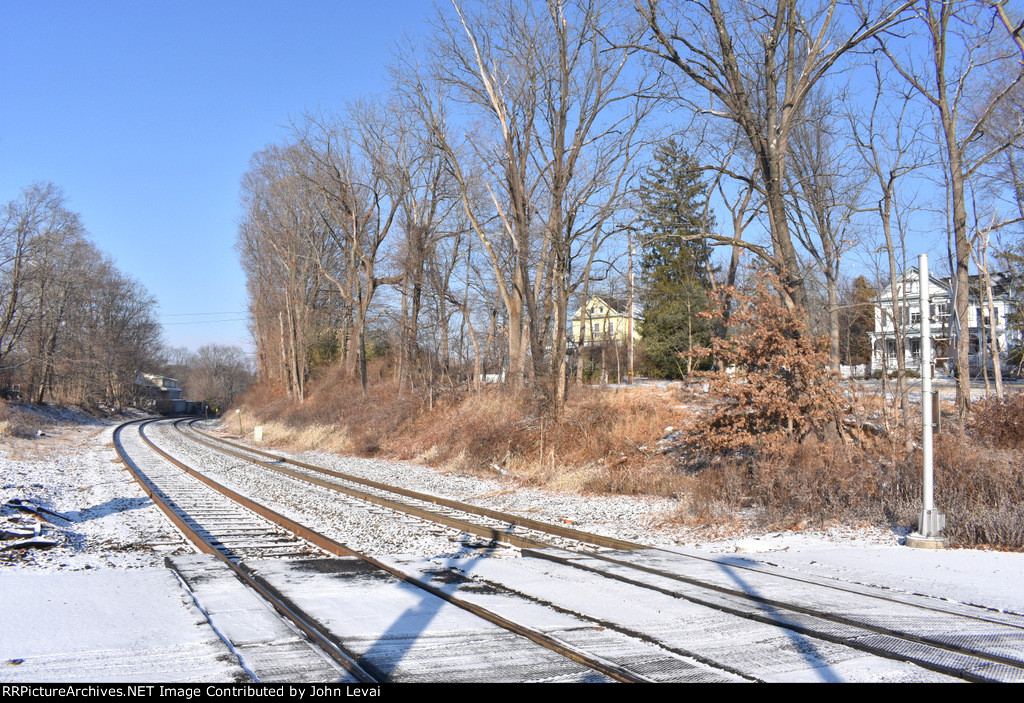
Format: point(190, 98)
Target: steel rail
point(363, 673)
point(779, 620)
point(455, 523)
point(566, 650)
point(597, 540)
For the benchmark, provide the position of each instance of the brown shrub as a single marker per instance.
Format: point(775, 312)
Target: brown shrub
point(779, 385)
point(792, 483)
point(1000, 422)
point(981, 491)
point(608, 441)
point(14, 423)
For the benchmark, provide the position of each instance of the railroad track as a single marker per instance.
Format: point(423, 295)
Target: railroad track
point(514, 530)
point(196, 504)
point(902, 629)
point(231, 528)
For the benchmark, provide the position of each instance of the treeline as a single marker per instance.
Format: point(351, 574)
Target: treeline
point(73, 328)
point(214, 374)
point(453, 223)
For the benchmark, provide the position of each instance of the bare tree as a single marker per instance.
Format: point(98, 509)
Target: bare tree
point(556, 139)
point(64, 270)
point(213, 373)
point(757, 63)
point(282, 244)
point(417, 179)
point(734, 180)
point(38, 215)
point(72, 326)
point(829, 194)
point(590, 139)
point(488, 60)
point(348, 164)
point(960, 56)
point(1014, 27)
point(886, 137)
point(121, 316)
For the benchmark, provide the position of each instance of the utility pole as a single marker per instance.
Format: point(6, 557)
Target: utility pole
point(931, 525)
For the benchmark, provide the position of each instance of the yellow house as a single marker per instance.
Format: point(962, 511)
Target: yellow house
point(603, 320)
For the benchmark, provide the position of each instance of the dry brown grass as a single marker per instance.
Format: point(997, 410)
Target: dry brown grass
point(795, 482)
point(1000, 422)
point(13, 423)
point(604, 441)
point(328, 438)
point(981, 490)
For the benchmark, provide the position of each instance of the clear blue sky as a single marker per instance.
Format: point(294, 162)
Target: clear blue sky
point(146, 114)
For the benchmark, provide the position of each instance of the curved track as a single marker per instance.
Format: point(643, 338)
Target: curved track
point(905, 629)
point(233, 540)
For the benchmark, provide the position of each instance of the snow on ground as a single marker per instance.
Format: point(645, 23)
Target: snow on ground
point(72, 611)
point(98, 625)
point(83, 609)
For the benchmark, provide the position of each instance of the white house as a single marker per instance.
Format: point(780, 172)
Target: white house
point(159, 394)
point(884, 349)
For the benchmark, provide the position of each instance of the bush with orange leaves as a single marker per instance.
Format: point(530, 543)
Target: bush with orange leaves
point(777, 385)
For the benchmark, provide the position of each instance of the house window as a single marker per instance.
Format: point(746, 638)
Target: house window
point(988, 324)
point(915, 349)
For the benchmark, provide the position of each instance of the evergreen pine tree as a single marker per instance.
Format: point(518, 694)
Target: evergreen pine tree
point(856, 322)
point(673, 268)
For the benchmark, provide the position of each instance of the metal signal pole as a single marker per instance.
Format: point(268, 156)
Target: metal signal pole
point(629, 313)
point(931, 525)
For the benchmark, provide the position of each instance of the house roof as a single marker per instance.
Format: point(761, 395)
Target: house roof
point(156, 381)
point(1003, 284)
point(617, 306)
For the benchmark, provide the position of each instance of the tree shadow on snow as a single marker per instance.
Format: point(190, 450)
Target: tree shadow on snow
point(386, 653)
point(802, 644)
point(114, 505)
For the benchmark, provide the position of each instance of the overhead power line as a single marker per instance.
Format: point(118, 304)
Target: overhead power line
point(194, 314)
point(204, 322)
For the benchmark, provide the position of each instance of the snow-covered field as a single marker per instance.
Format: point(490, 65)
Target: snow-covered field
point(81, 606)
